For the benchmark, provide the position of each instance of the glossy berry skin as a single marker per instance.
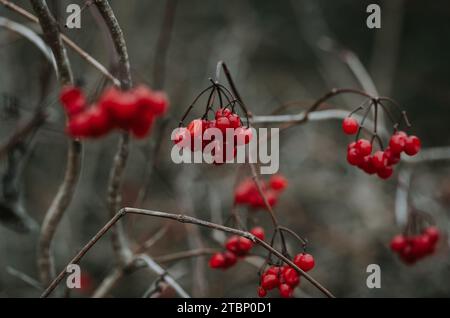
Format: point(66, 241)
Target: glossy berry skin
point(353, 157)
point(269, 281)
point(258, 232)
point(261, 292)
point(291, 277)
point(278, 182)
point(364, 147)
point(398, 243)
point(392, 157)
point(385, 172)
point(223, 112)
point(217, 260)
point(230, 259)
point(412, 146)
point(379, 160)
point(286, 291)
point(274, 270)
point(350, 126)
point(397, 143)
point(367, 165)
point(304, 261)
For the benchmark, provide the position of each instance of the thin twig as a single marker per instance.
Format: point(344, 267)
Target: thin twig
point(67, 188)
point(118, 238)
point(183, 219)
point(96, 64)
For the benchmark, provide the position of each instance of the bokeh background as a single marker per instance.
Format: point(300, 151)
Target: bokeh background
point(277, 51)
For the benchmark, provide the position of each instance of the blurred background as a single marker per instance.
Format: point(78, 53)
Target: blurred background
point(277, 51)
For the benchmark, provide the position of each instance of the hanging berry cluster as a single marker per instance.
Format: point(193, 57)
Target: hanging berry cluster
point(236, 247)
point(246, 193)
point(197, 135)
point(381, 162)
point(412, 248)
point(285, 278)
point(134, 110)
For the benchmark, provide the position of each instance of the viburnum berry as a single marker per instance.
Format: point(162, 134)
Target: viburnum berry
point(433, 233)
point(291, 277)
point(134, 110)
point(398, 243)
point(412, 145)
point(304, 261)
point(353, 157)
point(217, 261)
point(269, 281)
point(258, 232)
point(286, 291)
point(73, 100)
point(385, 172)
point(379, 160)
point(412, 248)
point(397, 143)
point(262, 292)
point(230, 259)
point(222, 150)
point(350, 126)
point(246, 193)
point(278, 182)
point(364, 147)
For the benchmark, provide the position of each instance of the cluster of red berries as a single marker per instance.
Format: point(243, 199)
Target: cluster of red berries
point(133, 110)
point(285, 277)
point(195, 135)
point(236, 247)
point(412, 248)
point(247, 193)
point(359, 153)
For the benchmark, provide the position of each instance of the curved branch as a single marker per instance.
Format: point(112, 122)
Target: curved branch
point(96, 64)
point(183, 219)
point(67, 188)
point(118, 237)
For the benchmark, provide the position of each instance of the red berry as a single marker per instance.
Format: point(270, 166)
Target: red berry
point(392, 157)
point(412, 146)
point(217, 260)
point(286, 291)
point(274, 270)
point(367, 165)
point(350, 126)
point(122, 106)
point(258, 232)
point(235, 121)
point(79, 126)
point(242, 191)
point(433, 234)
point(73, 100)
point(379, 160)
point(232, 244)
point(353, 157)
point(385, 172)
point(222, 112)
point(245, 245)
point(142, 125)
point(269, 281)
point(364, 147)
point(420, 245)
point(407, 255)
point(291, 277)
point(99, 122)
point(278, 182)
point(223, 123)
point(261, 292)
point(230, 259)
point(304, 261)
point(397, 143)
point(398, 243)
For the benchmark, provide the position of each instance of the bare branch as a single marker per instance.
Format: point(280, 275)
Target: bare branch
point(96, 64)
point(67, 188)
point(183, 219)
point(119, 240)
